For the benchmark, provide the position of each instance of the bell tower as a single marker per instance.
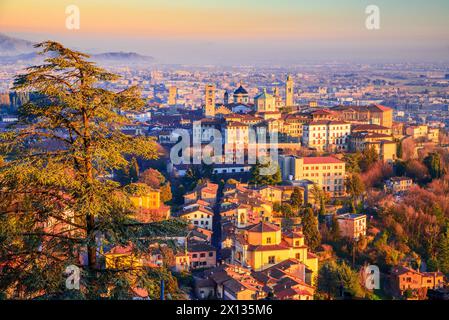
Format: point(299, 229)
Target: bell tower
point(289, 92)
point(209, 108)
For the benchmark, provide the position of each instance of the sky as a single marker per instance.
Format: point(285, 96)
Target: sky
point(240, 31)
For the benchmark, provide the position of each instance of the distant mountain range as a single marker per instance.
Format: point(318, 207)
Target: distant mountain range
point(12, 46)
point(13, 50)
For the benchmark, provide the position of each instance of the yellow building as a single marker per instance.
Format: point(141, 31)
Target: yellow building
point(209, 109)
point(327, 172)
point(417, 132)
point(433, 134)
point(382, 143)
point(265, 102)
point(263, 245)
point(172, 95)
point(149, 207)
point(152, 200)
point(372, 114)
point(120, 257)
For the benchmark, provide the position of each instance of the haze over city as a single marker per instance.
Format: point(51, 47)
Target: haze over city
point(241, 32)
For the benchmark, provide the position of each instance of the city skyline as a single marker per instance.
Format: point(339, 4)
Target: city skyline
point(281, 32)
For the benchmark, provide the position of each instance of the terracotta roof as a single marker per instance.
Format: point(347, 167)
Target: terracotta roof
point(380, 107)
point(263, 227)
point(402, 270)
point(363, 127)
point(270, 247)
point(200, 247)
point(120, 250)
point(291, 292)
point(195, 209)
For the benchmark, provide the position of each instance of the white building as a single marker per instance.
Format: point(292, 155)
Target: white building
point(326, 135)
point(199, 216)
point(327, 172)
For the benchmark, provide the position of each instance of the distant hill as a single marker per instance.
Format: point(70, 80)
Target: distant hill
point(122, 57)
point(13, 46)
point(14, 50)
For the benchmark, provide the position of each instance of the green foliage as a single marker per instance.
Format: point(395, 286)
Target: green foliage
point(369, 157)
point(55, 202)
point(134, 170)
point(264, 180)
point(277, 207)
point(400, 168)
point(434, 164)
point(355, 188)
point(287, 210)
point(335, 278)
point(399, 148)
point(443, 253)
point(196, 174)
point(352, 162)
point(320, 197)
point(335, 229)
point(166, 194)
point(312, 235)
point(296, 198)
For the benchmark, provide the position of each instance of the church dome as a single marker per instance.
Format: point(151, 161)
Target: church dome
point(240, 90)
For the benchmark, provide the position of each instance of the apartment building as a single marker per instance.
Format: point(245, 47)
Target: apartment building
point(404, 278)
point(352, 226)
point(371, 114)
point(326, 135)
point(198, 215)
point(398, 184)
point(327, 172)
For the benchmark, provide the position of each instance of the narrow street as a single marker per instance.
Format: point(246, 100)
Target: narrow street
point(216, 224)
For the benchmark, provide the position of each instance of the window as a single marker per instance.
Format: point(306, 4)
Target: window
point(211, 254)
point(271, 259)
point(268, 240)
point(202, 255)
point(297, 243)
point(298, 256)
point(194, 255)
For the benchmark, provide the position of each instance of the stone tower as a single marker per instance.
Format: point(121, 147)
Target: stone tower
point(172, 95)
point(289, 92)
point(209, 109)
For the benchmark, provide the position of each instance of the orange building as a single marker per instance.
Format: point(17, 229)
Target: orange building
point(149, 207)
point(352, 226)
point(263, 245)
point(404, 279)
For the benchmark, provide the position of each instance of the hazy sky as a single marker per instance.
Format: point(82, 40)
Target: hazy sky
point(240, 31)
